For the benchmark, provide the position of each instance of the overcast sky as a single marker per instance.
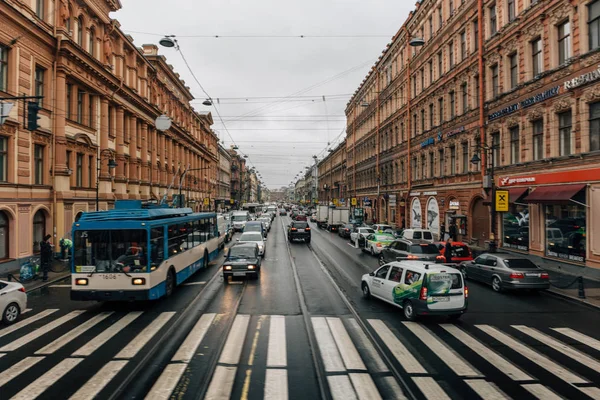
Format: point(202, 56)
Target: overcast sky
point(282, 97)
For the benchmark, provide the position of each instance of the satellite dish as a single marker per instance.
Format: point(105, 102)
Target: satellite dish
point(162, 123)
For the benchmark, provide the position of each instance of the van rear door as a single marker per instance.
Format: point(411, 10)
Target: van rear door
point(445, 291)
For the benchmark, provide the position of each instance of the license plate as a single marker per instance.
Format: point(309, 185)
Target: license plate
point(440, 299)
point(533, 275)
point(109, 276)
point(300, 230)
point(239, 274)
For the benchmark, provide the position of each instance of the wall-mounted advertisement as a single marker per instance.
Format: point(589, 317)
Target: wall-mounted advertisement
point(433, 216)
point(416, 213)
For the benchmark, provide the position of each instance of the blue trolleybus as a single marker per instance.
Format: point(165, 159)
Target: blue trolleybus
point(139, 251)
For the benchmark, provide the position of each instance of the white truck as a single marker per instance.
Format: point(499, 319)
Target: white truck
point(322, 216)
point(337, 217)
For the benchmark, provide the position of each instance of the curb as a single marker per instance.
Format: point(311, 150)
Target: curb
point(572, 299)
point(48, 283)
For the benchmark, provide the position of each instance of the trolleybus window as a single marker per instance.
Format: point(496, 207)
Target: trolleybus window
point(157, 246)
point(111, 250)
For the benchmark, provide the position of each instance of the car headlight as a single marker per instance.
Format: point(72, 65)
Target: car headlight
point(227, 267)
point(251, 266)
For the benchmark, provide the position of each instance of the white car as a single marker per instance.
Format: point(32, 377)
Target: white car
point(13, 301)
point(360, 231)
point(254, 237)
point(266, 221)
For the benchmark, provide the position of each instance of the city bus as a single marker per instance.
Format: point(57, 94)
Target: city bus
point(139, 251)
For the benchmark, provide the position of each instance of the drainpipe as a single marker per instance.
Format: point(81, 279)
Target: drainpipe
point(54, 124)
point(484, 155)
point(408, 128)
point(377, 141)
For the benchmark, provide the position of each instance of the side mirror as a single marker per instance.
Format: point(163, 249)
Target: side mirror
point(371, 273)
point(237, 240)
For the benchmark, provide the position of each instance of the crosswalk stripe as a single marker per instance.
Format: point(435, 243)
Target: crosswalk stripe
point(448, 356)
point(23, 340)
point(107, 334)
point(164, 386)
point(532, 355)
point(365, 387)
point(580, 337)
point(329, 351)
point(402, 354)
point(25, 322)
point(345, 346)
point(40, 385)
point(192, 341)
point(592, 392)
point(221, 383)
point(375, 360)
point(485, 389)
point(341, 387)
point(277, 345)
point(541, 391)
point(560, 347)
point(74, 333)
point(100, 380)
point(235, 340)
point(486, 353)
point(276, 384)
point(430, 388)
point(18, 369)
point(144, 336)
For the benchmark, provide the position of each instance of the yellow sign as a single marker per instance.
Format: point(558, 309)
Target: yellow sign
point(335, 201)
point(206, 201)
point(354, 201)
point(502, 200)
point(231, 201)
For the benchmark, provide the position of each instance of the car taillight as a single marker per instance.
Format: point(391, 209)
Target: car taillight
point(466, 292)
point(294, 229)
point(378, 245)
point(423, 293)
point(544, 275)
point(517, 275)
point(412, 257)
point(22, 289)
point(307, 229)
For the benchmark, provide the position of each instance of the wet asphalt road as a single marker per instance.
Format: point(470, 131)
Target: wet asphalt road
point(302, 331)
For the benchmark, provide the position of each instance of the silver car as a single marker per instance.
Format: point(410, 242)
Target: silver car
point(506, 271)
point(254, 237)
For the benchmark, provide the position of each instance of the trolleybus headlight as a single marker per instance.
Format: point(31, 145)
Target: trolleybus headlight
point(81, 282)
point(227, 267)
point(138, 281)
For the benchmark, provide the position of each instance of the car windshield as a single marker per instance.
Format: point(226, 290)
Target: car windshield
point(112, 250)
point(385, 238)
point(424, 249)
point(520, 263)
point(251, 237)
point(300, 225)
point(242, 252)
point(240, 218)
point(253, 227)
point(366, 230)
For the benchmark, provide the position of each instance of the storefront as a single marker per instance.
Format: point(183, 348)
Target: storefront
point(515, 222)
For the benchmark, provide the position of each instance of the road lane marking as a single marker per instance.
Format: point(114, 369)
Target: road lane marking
point(144, 336)
point(276, 384)
point(345, 345)
point(448, 356)
point(430, 388)
point(40, 385)
point(363, 342)
point(187, 350)
point(341, 387)
point(486, 390)
point(329, 351)
point(568, 351)
point(580, 337)
point(402, 354)
point(489, 355)
point(92, 387)
point(541, 391)
point(23, 340)
point(74, 333)
point(221, 383)
point(18, 369)
point(194, 283)
point(532, 355)
point(235, 340)
point(365, 387)
point(107, 334)
point(164, 386)
point(277, 347)
point(61, 286)
point(25, 322)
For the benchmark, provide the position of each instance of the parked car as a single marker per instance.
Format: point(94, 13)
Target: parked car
point(256, 226)
point(460, 252)
point(254, 237)
point(298, 230)
point(376, 242)
point(418, 288)
point(360, 232)
point(242, 259)
point(405, 249)
point(345, 230)
point(267, 221)
point(381, 228)
point(13, 301)
point(506, 271)
point(418, 234)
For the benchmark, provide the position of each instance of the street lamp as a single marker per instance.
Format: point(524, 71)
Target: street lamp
point(489, 185)
point(104, 154)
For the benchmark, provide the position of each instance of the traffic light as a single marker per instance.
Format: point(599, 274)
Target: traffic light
point(32, 115)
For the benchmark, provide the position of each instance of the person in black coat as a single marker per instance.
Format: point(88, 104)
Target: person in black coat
point(448, 251)
point(45, 256)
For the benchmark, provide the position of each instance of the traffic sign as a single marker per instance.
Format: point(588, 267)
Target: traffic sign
point(354, 201)
point(502, 200)
point(206, 201)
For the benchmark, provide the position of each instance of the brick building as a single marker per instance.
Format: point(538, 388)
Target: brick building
point(332, 176)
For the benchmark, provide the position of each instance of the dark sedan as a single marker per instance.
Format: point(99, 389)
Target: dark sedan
point(405, 249)
point(298, 230)
point(242, 260)
point(345, 230)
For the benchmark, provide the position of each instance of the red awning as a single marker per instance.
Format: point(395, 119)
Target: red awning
point(515, 194)
point(553, 194)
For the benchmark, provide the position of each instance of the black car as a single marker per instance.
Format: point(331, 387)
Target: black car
point(299, 230)
point(405, 249)
point(242, 260)
point(345, 230)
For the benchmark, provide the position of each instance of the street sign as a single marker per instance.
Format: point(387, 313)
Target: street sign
point(359, 212)
point(367, 203)
point(231, 201)
point(502, 200)
point(206, 201)
point(354, 201)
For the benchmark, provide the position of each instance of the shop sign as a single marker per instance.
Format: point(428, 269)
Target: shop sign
point(455, 131)
point(354, 201)
point(507, 180)
point(206, 201)
point(579, 175)
point(367, 203)
point(582, 79)
point(528, 102)
point(392, 200)
point(429, 193)
point(433, 216)
point(416, 211)
point(428, 142)
point(502, 200)
point(454, 205)
point(515, 246)
point(564, 256)
point(415, 194)
point(359, 212)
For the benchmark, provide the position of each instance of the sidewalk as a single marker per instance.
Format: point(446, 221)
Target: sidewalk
point(38, 283)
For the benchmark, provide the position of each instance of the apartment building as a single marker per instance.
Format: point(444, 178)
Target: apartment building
point(332, 176)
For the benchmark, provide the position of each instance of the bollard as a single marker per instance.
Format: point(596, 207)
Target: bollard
point(581, 293)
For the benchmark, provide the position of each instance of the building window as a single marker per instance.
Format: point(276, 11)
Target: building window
point(90, 171)
point(90, 111)
point(441, 161)
point(493, 26)
point(39, 84)
point(538, 139)
point(465, 157)
point(496, 149)
point(476, 35)
point(564, 133)
point(430, 65)
point(39, 8)
point(423, 167)
point(441, 108)
point(566, 229)
point(403, 172)
point(440, 18)
point(414, 133)
point(4, 235)
point(452, 103)
point(38, 160)
point(453, 160)
point(69, 106)
point(440, 64)
point(463, 45)
point(80, 31)
point(423, 120)
point(431, 112)
point(594, 24)
point(514, 145)
point(430, 26)
point(494, 73)
point(413, 166)
point(422, 79)
point(451, 6)
point(511, 10)
point(465, 97)
point(3, 159)
point(3, 68)
point(537, 61)
point(79, 170)
point(451, 54)
point(564, 42)
point(110, 121)
point(431, 165)
point(92, 41)
point(80, 95)
point(476, 94)
point(39, 230)
point(594, 126)
point(513, 61)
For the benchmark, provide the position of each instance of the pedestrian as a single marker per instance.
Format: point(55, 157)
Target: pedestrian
point(448, 251)
point(45, 256)
point(453, 230)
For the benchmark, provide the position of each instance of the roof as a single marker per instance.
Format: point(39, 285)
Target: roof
point(432, 267)
point(244, 244)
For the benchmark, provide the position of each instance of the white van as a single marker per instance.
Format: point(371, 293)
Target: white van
point(418, 234)
point(223, 227)
point(419, 288)
point(239, 219)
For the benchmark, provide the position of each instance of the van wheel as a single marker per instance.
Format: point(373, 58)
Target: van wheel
point(170, 283)
point(409, 311)
point(496, 284)
point(365, 290)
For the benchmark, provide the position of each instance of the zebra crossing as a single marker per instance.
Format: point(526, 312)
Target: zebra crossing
point(43, 353)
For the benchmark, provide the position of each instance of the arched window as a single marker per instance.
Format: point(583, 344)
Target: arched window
point(92, 41)
point(39, 230)
point(4, 228)
point(80, 31)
